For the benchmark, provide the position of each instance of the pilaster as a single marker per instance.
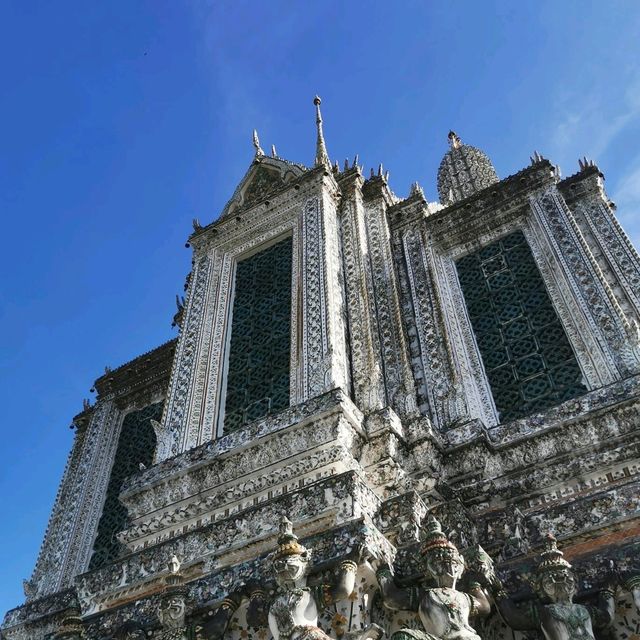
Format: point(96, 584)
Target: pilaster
point(594, 214)
point(616, 335)
point(399, 383)
point(366, 366)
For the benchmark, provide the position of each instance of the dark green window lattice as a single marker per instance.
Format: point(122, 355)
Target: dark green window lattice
point(527, 356)
point(136, 445)
point(258, 371)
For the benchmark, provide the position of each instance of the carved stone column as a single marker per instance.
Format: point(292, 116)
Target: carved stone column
point(366, 368)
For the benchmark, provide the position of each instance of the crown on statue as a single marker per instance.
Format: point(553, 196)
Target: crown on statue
point(436, 540)
point(288, 544)
point(551, 558)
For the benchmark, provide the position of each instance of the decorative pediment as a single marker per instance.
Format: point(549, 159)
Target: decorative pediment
point(265, 176)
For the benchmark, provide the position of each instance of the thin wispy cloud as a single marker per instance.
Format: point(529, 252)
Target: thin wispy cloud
point(592, 128)
point(603, 128)
point(627, 197)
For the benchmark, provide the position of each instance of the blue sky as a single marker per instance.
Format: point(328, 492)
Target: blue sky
point(121, 121)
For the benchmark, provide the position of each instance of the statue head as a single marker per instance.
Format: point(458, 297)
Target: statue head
point(442, 560)
point(554, 578)
point(291, 559)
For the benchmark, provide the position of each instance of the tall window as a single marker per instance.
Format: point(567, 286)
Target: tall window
point(526, 354)
point(258, 365)
point(136, 445)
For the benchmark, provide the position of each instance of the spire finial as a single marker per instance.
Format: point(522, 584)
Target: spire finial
point(256, 144)
point(322, 158)
point(454, 140)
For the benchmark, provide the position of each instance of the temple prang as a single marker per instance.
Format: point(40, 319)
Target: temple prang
point(381, 416)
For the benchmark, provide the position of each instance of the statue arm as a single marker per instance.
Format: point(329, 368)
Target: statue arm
point(258, 609)
point(480, 605)
point(343, 586)
point(394, 597)
point(517, 618)
point(215, 626)
point(606, 610)
point(632, 584)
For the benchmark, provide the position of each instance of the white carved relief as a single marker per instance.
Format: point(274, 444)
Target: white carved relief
point(94, 491)
point(323, 347)
point(364, 340)
point(45, 578)
point(441, 379)
point(620, 258)
point(589, 286)
point(387, 316)
point(67, 547)
point(318, 361)
point(177, 404)
point(471, 395)
point(597, 365)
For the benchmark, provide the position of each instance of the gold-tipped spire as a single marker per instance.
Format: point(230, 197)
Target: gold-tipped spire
point(256, 144)
point(322, 158)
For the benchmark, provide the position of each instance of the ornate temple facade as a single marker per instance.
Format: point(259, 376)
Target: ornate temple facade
point(379, 410)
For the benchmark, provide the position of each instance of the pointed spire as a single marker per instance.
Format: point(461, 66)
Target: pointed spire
point(454, 140)
point(274, 153)
point(416, 190)
point(256, 144)
point(322, 158)
point(584, 163)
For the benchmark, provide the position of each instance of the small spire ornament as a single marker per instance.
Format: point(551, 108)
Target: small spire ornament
point(416, 190)
point(256, 144)
point(454, 140)
point(322, 158)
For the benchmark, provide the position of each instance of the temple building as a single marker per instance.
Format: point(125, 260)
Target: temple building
point(394, 376)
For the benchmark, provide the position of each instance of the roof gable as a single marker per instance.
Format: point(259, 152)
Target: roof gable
point(265, 176)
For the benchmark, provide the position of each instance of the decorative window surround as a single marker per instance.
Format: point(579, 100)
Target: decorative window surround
point(513, 322)
point(256, 375)
point(602, 359)
point(318, 344)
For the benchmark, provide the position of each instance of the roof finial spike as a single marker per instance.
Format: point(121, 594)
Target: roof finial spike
point(454, 140)
point(356, 158)
point(274, 153)
point(322, 158)
point(256, 144)
point(380, 170)
point(416, 190)
point(346, 164)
